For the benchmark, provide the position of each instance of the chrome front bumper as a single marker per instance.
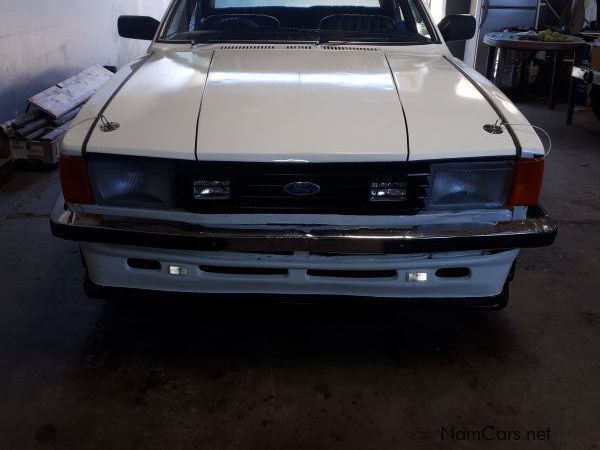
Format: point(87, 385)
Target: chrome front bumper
point(537, 230)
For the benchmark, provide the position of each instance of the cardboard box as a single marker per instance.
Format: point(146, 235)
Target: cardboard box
point(66, 95)
point(37, 150)
point(18, 147)
point(44, 151)
point(595, 58)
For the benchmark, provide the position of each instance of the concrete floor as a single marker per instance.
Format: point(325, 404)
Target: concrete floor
point(77, 373)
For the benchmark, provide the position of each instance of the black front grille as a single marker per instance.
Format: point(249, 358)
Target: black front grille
point(344, 187)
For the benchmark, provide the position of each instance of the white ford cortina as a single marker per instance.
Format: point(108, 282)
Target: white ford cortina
point(312, 147)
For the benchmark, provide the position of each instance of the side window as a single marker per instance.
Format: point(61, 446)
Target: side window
point(420, 20)
point(181, 20)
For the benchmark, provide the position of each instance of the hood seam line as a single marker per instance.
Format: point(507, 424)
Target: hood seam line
point(387, 61)
point(212, 57)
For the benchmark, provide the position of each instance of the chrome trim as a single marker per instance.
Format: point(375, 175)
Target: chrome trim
point(535, 231)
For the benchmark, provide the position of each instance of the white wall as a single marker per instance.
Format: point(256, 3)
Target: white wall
point(437, 9)
point(44, 42)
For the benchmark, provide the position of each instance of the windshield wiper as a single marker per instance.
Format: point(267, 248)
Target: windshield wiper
point(353, 37)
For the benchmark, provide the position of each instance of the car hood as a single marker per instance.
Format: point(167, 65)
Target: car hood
point(304, 103)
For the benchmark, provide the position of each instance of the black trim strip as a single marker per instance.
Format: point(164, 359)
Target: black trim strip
point(212, 56)
point(241, 301)
point(401, 105)
point(491, 102)
point(134, 68)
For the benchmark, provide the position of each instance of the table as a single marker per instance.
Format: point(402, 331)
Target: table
point(498, 41)
point(588, 76)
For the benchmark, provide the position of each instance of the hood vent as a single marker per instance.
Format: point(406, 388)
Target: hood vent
point(247, 47)
point(347, 48)
point(336, 48)
point(299, 47)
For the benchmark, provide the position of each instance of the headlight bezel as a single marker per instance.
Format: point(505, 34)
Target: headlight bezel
point(474, 185)
point(132, 181)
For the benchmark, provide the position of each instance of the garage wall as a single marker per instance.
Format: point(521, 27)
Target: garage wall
point(44, 42)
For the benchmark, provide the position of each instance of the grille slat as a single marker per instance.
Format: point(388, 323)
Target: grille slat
point(344, 187)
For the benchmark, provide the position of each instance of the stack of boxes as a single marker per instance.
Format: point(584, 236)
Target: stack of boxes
point(36, 135)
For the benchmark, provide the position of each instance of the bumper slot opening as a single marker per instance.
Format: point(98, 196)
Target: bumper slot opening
point(352, 273)
point(453, 272)
point(143, 264)
point(243, 270)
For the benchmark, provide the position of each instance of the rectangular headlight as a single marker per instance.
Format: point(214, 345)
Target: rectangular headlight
point(211, 190)
point(130, 182)
point(470, 185)
point(388, 191)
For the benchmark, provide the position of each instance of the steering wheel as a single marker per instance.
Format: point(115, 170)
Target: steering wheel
point(235, 21)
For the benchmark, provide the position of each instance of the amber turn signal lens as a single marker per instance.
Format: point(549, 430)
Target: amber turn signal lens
point(527, 182)
point(75, 180)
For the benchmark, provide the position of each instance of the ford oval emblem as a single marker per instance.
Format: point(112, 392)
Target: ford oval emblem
point(302, 189)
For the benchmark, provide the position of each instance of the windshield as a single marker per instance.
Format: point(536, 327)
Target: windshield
point(375, 21)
